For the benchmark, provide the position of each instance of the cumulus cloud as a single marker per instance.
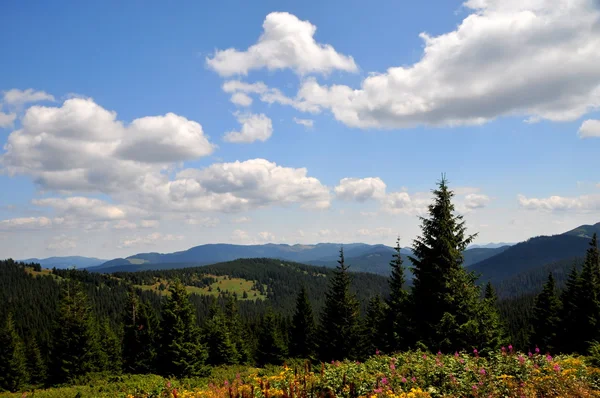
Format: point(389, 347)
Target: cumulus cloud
point(590, 128)
point(380, 232)
point(202, 221)
point(266, 236)
point(81, 146)
point(501, 60)
point(308, 123)
point(16, 97)
point(360, 189)
point(241, 99)
point(404, 203)
point(584, 203)
point(286, 42)
point(148, 240)
point(244, 185)
point(62, 242)
point(254, 128)
point(125, 224)
point(476, 201)
point(241, 220)
point(149, 223)
point(27, 223)
point(268, 95)
point(7, 119)
point(82, 207)
point(240, 236)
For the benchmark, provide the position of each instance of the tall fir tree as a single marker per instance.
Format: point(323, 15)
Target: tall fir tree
point(182, 353)
point(111, 346)
point(397, 328)
point(75, 350)
point(546, 317)
point(218, 339)
point(38, 371)
point(13, 361)
point(446, 307)
point(569, 314)
point(271, 346)
point(494, 330)
point(339, 330)
point(302, 340)
point(238, 333)
point(587, 320)
point(140, 336)
point(374, 337)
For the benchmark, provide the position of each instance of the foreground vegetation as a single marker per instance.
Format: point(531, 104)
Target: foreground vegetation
point(414, 374)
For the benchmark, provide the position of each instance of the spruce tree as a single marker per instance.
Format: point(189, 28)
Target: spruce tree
point(237, 331)
point(75, 348)
point(494, 333)
point(38, 371)
point(302, 343)
point(339, 332)
point(140, 336)
point(546, 317)
point(374, 337)
point(218, 339)
point(569, 313)
point(111, 347)
point(271, 347)
point(397, 329)
point(446, 307)
point(13, 361)
point(587, 320)
point(182, 354)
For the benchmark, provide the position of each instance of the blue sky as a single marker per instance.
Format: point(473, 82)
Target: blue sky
point(156, 127)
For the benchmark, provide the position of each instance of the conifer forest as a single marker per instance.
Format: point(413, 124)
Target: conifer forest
point(304, 330)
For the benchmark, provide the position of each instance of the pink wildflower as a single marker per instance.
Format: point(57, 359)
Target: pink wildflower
point(384, 381)
point(378, 390)
point(476, 352)
point(439, 353)
point(424, 356)
point(537, 350)
point(455, 354)
point(226, 383)
point(521, 359)
point(503, 349)
point(403, 379)
point(530, 354)
point(414, 379)
point(549, 358)
point(474, 387)
point(168, 384)
point(482, 371)
point(376, 352)
point(392, 366)
point(510, 348)
point(556, 368)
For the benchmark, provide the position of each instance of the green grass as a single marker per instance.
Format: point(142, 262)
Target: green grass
point(222, 284)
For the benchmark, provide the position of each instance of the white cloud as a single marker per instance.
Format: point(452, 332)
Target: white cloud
point(62, 242)
point(584, 203)
point(244, 185)
point(85, 208)
point(16, 97)
point(266, 236)
point(7, 119)
point(83, 147)
point(240, 236)
point(241, 220)
point(476, 201)
point(589, 128)
point(501, 60)
point(380, 232)
point(404, 203)
point(308, 123)
point(368, 213)
point(360, 189)
point(254, 128)
point(286, 42)
point(124, 224)
point(149, 223)
point(148, 240)
point(269, 95)
point(241, 99)
point(202, 221)
point(26, 223)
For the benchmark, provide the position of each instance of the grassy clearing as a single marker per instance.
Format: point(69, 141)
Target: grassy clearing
point(43, 272)
point(222, 284)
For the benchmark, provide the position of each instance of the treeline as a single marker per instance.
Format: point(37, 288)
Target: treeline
point(61, 327)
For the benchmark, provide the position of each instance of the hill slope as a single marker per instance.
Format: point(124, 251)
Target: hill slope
point(585, 231)
point(529, 255)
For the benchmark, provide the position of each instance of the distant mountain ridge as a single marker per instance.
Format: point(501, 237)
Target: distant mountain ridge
point(66, 262)
point(585, 231)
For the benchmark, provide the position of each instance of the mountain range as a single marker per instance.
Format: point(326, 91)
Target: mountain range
point(498, 263)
